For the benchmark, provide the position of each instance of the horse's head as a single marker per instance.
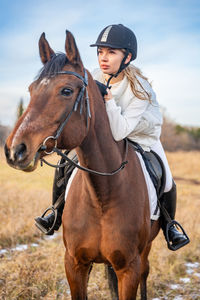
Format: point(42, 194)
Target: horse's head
point(58, 107)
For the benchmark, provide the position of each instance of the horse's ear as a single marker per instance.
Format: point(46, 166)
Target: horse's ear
point(71, 49)
point(45, 50)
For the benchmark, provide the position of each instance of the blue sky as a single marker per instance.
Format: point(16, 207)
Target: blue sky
point(168, 34)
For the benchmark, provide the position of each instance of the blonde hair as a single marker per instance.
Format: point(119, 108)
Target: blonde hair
point(131, 72)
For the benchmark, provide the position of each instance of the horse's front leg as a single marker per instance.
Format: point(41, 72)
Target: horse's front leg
point(77, 276)
point(128, 280)
point(144, 272)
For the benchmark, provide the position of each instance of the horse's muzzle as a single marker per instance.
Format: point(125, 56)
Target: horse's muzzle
point(17, 158)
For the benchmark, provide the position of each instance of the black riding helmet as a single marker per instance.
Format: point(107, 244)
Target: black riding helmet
point(118, 37)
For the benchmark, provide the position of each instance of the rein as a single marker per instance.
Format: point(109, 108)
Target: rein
point(79, 99)
point(71, 162)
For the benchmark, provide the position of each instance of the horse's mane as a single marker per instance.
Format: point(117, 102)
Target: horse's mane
point(53, 66)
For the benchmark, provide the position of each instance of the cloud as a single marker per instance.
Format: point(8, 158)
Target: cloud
point(9, 99)
point(176, 91)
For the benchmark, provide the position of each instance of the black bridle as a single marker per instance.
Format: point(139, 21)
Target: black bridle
point(79, 101)
point(80, 98)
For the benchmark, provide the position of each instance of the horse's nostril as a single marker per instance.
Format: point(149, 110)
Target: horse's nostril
point(6, 151)
point(20, 152)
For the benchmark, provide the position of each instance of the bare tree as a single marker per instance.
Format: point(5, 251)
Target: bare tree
point(20, 108)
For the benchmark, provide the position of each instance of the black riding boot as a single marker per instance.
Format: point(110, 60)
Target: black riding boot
point(47, 224)
point(175, 238)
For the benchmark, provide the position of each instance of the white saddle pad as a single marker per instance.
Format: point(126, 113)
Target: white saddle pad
point(153, 201)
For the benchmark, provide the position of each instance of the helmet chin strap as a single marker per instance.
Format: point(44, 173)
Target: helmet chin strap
point(121, 68)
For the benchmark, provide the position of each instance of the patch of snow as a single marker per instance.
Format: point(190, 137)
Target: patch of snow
point(68, 292)
point(192, 265)
point(189, 271)
point(197, 274)
point(20, 248)
point(52, 237)
point(178, 297)
point(3, 251)
point(175, 286)
point(24, 247)
point(34, 245)
point(185, 280)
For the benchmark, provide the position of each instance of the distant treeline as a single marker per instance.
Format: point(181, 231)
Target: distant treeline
point(4, 132)
point(177, 137)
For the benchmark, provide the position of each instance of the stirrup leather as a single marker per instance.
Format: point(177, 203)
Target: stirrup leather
point(44, 230)
point(178, 226)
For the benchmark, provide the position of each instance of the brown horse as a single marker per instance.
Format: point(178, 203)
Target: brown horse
point(106, 219)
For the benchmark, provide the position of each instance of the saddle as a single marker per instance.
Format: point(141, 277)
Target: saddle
point(154, 166)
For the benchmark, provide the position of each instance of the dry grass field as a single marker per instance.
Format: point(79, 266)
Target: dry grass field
point(36, 270)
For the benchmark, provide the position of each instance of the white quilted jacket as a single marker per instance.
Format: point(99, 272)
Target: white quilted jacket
point(139, 120)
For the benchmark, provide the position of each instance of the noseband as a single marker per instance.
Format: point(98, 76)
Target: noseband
point(79, 100)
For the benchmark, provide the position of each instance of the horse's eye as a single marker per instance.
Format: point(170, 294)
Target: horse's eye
point(66, 92)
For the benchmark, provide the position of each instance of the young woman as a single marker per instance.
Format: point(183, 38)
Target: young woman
point(133, 110)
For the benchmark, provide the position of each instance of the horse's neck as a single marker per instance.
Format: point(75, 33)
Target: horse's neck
point(99, 151)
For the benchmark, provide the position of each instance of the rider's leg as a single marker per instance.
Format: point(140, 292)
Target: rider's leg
point(61, 178)
point(168, 202)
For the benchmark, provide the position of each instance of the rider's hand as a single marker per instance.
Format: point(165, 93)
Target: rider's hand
point(108, 96)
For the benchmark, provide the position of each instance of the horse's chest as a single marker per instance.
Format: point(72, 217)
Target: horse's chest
point(83, 241)
point(99, 239)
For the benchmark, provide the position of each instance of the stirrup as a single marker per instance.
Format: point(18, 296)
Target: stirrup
point(51, 229)
point(178, 226)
